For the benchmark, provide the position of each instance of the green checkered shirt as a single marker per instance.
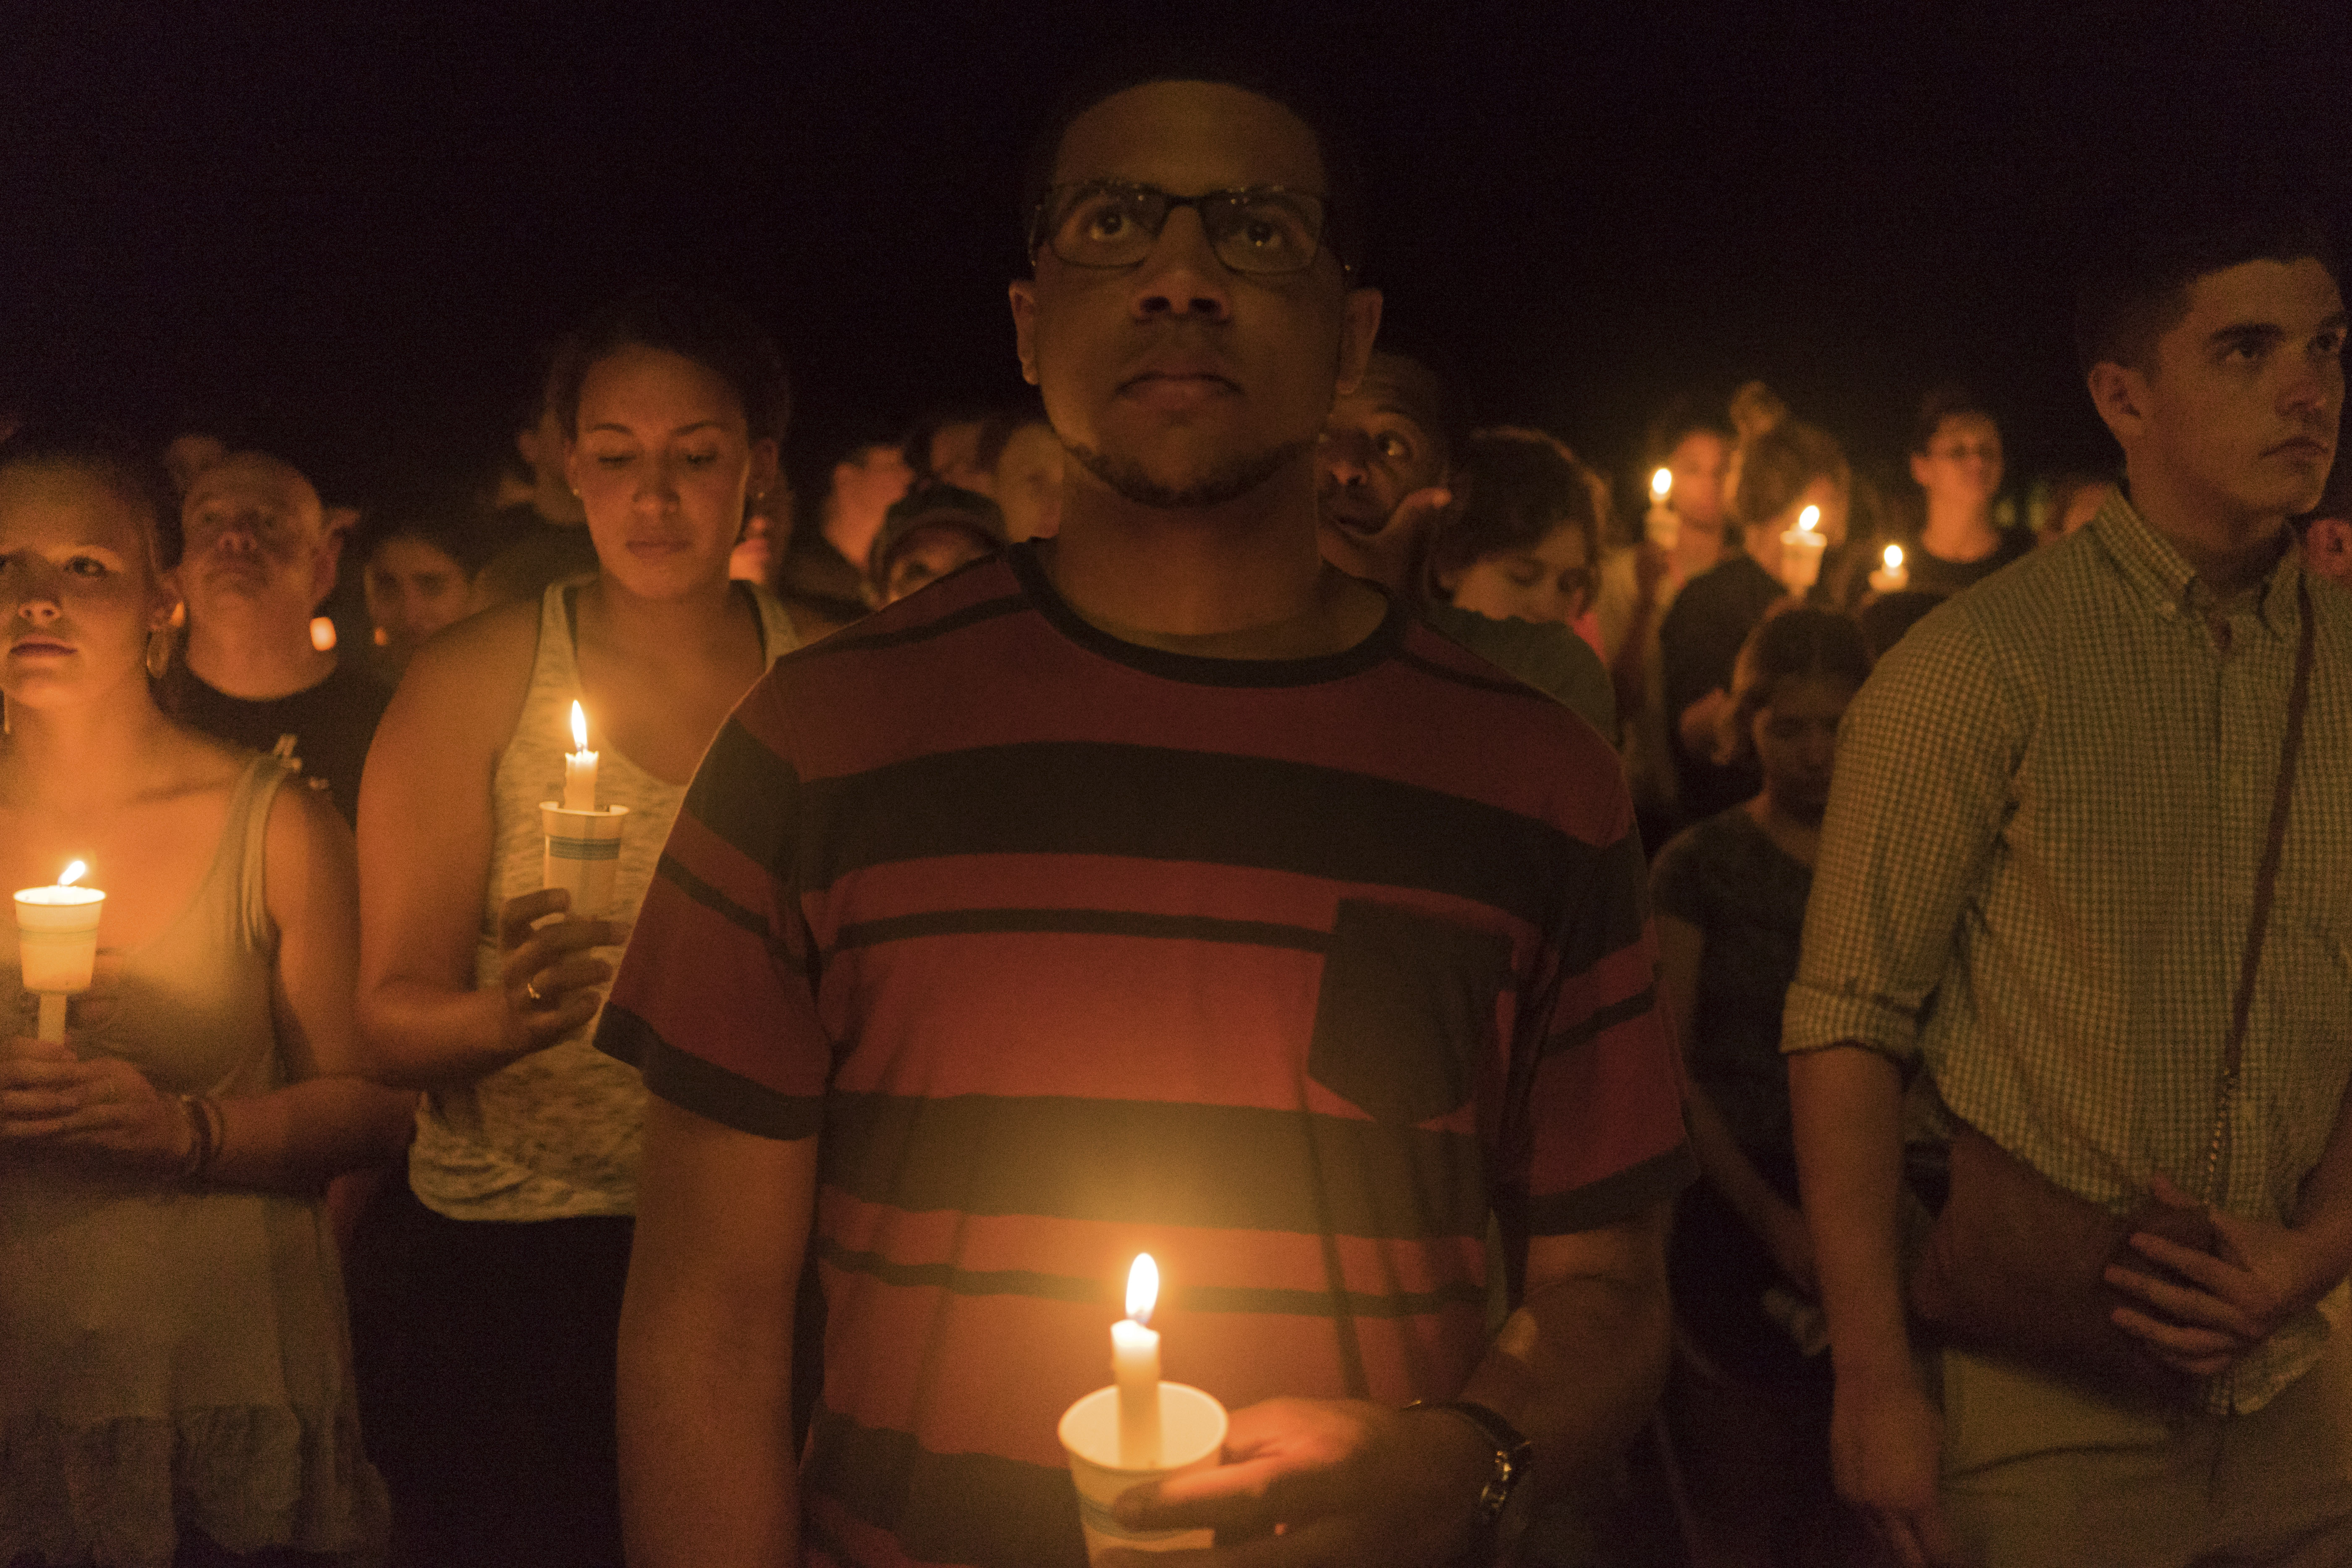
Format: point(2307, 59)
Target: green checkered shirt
point(2039, 865)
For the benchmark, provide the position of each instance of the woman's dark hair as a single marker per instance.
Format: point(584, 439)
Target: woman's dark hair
point(712, 333)
point(1511, 490)
point(454, 530)
point(135, 473)
point(1780, 463)
point(1792, 644)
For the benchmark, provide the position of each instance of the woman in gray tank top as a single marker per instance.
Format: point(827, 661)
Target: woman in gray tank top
point(487, 1294)
point(175, 1382)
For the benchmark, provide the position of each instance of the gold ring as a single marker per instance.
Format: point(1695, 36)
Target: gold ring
point(530, 989)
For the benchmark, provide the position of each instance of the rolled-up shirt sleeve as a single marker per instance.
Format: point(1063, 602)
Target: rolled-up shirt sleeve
point(1926, 760)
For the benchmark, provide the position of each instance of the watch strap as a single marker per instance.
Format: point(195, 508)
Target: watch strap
point(1513, 1452)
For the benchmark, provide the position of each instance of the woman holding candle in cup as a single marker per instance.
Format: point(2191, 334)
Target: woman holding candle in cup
point(489, 1289)
point(175, 1378)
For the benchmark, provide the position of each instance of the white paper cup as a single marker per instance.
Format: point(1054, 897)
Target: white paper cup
point(1192, 1438)
point(583, 855)
point(1800, 558)
point(56, 937)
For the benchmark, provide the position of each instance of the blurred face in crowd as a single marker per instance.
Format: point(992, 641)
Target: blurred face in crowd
point(185, 456)
point(866, 484)
point(79, 590)
point(1795, 735)
point(1175, 380)
point(928, 554)
point(1371, 455)
point(257, 548)
point(663, 459)
point(2327, 549)
point(1553, 581)
point(2236, 410)
point(1961, 467)
point(1699, 462)
point(413, 589)
point(1028, 485)
point(955, 456)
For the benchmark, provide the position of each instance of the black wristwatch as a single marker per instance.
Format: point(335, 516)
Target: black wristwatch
point(1513, 1455)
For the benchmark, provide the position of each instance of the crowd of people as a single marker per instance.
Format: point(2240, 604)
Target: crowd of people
point(1525, 945)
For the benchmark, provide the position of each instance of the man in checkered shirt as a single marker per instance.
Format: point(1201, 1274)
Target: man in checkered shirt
point(2035, 882)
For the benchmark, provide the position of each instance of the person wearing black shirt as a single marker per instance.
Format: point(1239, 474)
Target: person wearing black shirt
point(256, 560)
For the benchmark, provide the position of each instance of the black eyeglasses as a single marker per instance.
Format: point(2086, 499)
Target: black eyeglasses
point(1112, 223)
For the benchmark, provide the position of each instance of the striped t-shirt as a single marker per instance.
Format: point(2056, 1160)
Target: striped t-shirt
point(1283, 972)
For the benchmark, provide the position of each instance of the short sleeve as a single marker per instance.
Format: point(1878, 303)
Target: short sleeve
point(1680, 885)
point(1605, 1107)
point(714, 1001)
point(1925, 760)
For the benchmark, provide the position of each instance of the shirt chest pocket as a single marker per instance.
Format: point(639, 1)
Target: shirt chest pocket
point(1405, 1012)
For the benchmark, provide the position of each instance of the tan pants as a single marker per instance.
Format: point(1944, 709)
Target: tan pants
point(2037, 1473)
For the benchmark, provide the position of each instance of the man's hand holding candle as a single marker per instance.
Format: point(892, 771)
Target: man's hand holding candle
point(1577, 1369)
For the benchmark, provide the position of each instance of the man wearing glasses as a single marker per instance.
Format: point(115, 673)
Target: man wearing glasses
point(1152, 889)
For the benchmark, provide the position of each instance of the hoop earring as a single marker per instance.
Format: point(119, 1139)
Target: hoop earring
point(159, 653)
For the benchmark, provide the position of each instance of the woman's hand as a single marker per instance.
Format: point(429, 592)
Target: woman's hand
point(548, 980)
point(101, 1112)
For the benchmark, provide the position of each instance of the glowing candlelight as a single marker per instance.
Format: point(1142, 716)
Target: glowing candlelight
point(57, 943)
point(1135, 1368)
point(322, 634)
point(1893, 576)
point(1801, 552)
point(580, 766)
point(1662, 523)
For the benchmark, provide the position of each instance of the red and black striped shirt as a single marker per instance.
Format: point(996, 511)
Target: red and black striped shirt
point(1288, 973)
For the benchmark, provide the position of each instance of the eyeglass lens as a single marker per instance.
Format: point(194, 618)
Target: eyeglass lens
point(1249, 231)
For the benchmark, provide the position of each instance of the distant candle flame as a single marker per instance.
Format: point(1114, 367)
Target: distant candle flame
point(1810, 519)
point(579, 728)
point(1661, 484)
point(1142, 1288)
point(73, 873)
point(1893, 558)
point(322, 634)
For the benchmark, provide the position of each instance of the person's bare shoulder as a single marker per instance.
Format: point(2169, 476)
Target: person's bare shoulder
point(467, 684)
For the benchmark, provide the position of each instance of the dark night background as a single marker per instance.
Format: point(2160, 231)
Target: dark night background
point(341, 238)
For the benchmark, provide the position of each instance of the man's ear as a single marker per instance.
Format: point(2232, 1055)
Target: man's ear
point(1023, 293)
point(1360, 323)
point(1919, 469)
point(2120, 393)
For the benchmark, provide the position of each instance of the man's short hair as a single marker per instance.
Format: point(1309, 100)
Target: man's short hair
point(2134, 287)
point(1344, 196)
point(1948, 401)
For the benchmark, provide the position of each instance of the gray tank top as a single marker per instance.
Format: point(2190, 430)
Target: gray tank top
point(555, 1134)
point(166, 1349)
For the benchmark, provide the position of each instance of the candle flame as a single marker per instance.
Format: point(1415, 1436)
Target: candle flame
point(1661, 483)
point(74, 872)
point(1810, 519)
point(1142, 1288)
point(579, 726)
point(322, 634)
point(1893, 558)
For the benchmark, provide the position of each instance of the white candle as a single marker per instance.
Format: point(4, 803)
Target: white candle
point(1135, 1368)
point(1663, 525)
point(1892, 577)
point(57, 943)
point(580, 767)
point(1801, 552)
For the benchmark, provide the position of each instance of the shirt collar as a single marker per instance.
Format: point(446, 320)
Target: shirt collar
point(2162, 576)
